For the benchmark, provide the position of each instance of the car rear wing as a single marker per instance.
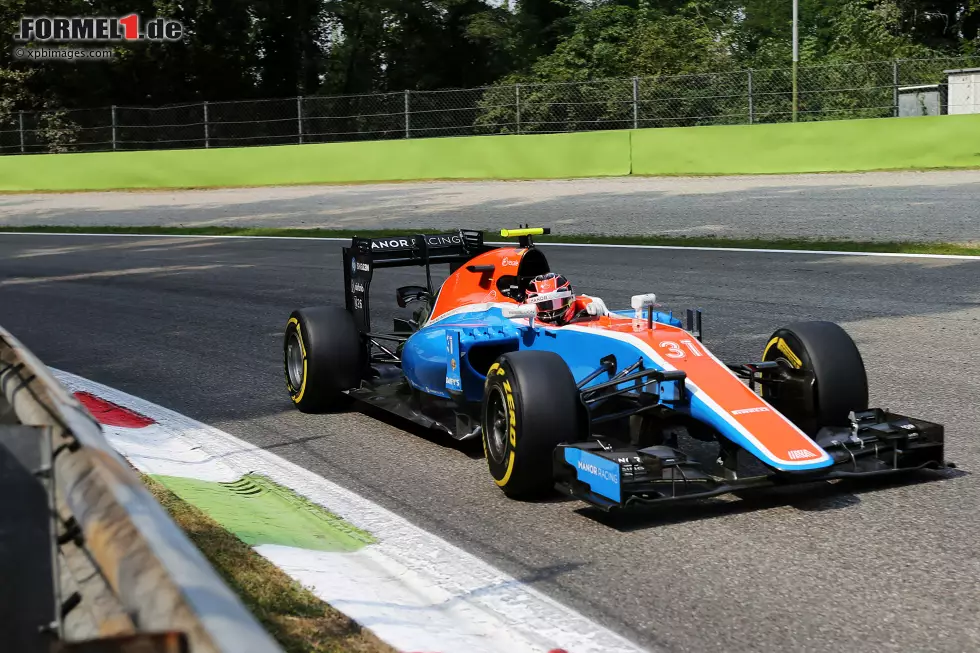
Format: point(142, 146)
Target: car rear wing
point(366, 254)
point(397, 251)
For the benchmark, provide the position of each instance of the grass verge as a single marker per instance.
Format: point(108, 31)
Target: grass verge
point(297, 619)
point(899, 247)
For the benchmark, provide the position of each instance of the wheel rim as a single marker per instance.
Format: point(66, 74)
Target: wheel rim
point(294, 360)
point(787, 361)
point(497, 419)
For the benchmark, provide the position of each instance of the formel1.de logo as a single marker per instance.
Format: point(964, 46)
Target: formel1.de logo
point(95, 29)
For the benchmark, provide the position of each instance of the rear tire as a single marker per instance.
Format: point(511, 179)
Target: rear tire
point(530, 405)
point(840, 380)
point(323, 356)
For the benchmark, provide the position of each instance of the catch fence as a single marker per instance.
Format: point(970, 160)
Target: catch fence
point(826, 92)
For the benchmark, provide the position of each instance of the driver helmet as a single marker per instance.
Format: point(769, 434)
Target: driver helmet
point(552, 295)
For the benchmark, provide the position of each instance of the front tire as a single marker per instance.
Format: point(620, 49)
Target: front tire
point(840, 380)
point(323, 356)
point(530, 405)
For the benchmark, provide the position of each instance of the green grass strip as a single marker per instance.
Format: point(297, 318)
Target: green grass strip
point(299, 621)
point(259, 511)
point(843, 245)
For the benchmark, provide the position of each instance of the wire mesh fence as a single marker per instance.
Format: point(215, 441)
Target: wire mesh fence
point(825, 92)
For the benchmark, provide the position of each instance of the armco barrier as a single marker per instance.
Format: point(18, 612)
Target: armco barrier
point(838, 146)
point(112, 551)
point(538, 156)
point(832, 146)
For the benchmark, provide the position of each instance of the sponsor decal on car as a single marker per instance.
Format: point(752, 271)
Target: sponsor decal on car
point(453, 379)
point(356, 266)
point(356, 286)
point(391, 243)
point(601, 474)
point(510, 263)
point(757, 409)
point(801, 454)
point(439, 240)
point(443, 241)
point(604, 474)
point(548, 296)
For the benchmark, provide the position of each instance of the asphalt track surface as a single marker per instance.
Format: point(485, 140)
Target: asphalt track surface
point(914, 206)
point(195, 325)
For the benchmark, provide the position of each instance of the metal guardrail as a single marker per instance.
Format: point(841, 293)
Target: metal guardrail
point(867, 89)
point(120, 575)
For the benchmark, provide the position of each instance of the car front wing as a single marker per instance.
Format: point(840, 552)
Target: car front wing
point(877, 443)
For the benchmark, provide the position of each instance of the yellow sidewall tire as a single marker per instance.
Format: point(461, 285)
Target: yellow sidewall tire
point(541, 408)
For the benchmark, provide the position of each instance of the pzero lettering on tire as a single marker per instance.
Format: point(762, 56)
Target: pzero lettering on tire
point(530, 405)
point(323, 356)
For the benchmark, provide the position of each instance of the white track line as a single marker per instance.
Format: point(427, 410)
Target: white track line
point(743, 250)
point(412, 589)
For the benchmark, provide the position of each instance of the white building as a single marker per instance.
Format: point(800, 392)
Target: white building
point(964, 90)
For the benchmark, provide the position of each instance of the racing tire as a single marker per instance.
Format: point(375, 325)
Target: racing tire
point(840, 380)
point(323, 355)
point(531, 404)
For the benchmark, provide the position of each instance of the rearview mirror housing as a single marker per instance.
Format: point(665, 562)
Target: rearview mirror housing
point(519, 311)
point(639, 302)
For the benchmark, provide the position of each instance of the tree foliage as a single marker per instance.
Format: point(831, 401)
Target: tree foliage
point(241, 49)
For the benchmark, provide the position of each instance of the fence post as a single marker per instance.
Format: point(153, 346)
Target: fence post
point(517, 105)
point(796, 57)
point(751, 105)
point(895, 88)
point(636, 103)
point(407, 121)
point(207, 135)
point(113, 126)
point(21, 131)
point(299, 117)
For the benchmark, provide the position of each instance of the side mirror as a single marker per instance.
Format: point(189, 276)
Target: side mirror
point(639, 302)
point(408, 294)
point(519, 311)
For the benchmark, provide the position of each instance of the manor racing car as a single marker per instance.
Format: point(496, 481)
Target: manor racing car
point(604, 405)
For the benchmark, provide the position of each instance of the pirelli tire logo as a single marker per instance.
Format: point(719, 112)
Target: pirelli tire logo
point(801, 454)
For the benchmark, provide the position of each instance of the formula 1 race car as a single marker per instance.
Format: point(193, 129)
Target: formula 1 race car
point(599, 407)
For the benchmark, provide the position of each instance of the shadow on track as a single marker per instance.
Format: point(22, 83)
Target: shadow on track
point(472, 448)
